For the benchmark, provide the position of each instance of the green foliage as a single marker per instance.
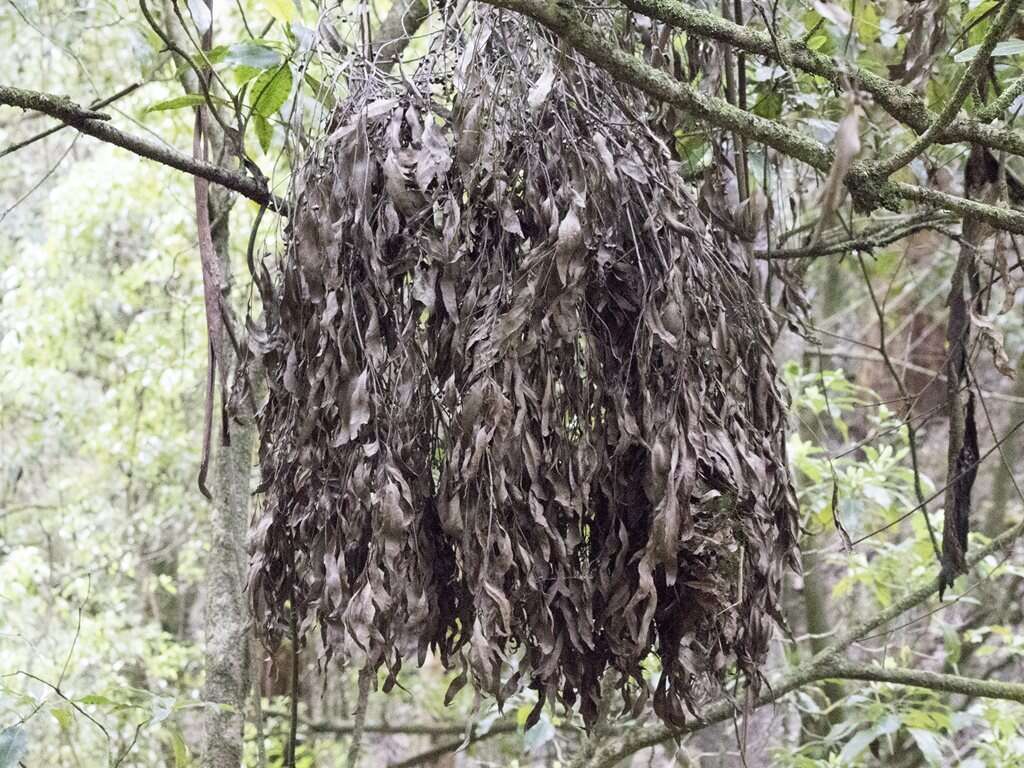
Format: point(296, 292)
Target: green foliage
point(879, 723)
point(13, 746)
point(178, 102)
point(101, 531)
point(867, 473)
point(270, 90)
point(850, 442)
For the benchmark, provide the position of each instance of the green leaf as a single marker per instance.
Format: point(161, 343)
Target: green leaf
point(95, 698)
point(1012, 47)
point(216, 55)
point(63, 716)
point(320, 92)
point(244, 74)
point(271, 90)
point(523, 712)
point(178, 102)
point(264, 131)
point(856, 745)
point(282, 10)
point(252, 55)
point(769, 106)
point(13, 746)
point(867, 24)
point(817, 41)
point(182, 759)
point(977, 12)
point(929, 745)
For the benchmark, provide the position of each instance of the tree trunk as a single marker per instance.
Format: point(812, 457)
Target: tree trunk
point(226, 655)
point(227, 617)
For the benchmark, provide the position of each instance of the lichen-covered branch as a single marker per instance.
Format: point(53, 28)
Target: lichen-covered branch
point(935, 681)
point(1001, 218)
point(627, 68)
point(1002, 102)
point(870, 189)
point(963, 88)
point(902, 103)
point(95, 124)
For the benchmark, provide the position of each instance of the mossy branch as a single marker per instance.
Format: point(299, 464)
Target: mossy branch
point(901, 103)
point(565, 21)
point(867, 188)
point(963, 88)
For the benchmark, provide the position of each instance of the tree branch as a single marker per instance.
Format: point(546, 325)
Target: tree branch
point(1002, 102)
point(960, 93)
point(429, 756)
point(630, 69)
point(50, 131)
point(864, 242)
point(901, 103)
point(935, 681)
point(1001, 218)
point(391, 729)
point(824, 665)
point(869, 189)
point(94, 124)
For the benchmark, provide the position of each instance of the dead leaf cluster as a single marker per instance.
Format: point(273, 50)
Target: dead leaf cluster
point(522, 407)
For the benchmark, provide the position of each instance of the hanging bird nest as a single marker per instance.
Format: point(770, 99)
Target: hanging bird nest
point(522, 408)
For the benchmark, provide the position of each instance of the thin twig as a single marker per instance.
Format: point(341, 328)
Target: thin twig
point(902, 388)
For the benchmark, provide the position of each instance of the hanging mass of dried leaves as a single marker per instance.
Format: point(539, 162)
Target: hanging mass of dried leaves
point(522, 407)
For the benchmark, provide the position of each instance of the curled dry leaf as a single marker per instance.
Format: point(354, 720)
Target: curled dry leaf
point(846, 147)
point(992, 338)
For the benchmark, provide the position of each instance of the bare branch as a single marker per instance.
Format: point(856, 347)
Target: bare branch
point(864, 242)
point(430, 756)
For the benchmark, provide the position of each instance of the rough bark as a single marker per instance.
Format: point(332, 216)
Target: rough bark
point(397, 30)
point(226, 652)
point(226, 616)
